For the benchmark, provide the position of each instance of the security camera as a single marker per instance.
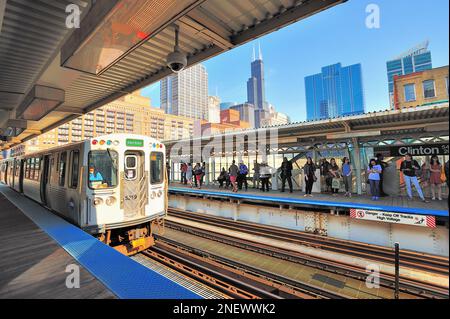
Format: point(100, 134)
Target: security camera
point(176, 61)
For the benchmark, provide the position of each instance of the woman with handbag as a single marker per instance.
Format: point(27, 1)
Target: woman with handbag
point(335, 175)
point(435, 179)
point(309, 170)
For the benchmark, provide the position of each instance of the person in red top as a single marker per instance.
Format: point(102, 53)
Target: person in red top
point(435, 177)
point(183, 169)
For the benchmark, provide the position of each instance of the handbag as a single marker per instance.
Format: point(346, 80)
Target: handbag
point(336, 183)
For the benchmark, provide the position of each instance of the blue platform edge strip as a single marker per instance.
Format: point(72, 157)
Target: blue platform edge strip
point(123, 276)
point(298, 201)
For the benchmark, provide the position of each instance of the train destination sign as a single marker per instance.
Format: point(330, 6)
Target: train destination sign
point(395, 218)
point(134, 142)
point(419, 150)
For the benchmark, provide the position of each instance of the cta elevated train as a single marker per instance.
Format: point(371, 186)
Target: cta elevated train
point(113, 187)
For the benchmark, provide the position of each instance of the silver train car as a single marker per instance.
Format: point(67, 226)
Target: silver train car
point(113, 187)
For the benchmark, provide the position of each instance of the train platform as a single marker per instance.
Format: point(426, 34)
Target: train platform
point(396, 204)
point(38, 246)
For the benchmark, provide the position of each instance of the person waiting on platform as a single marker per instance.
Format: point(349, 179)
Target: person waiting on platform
point(347, 175)
point(197, 171)
point(233, 173)
point(383, 164)
point(447, 173)
point(242, 175)
point(325, 175)
point(310, 177)
point(189, 174)
point(202, 176)
point(183, 168)
point(265, 173)
point(374, 170)
point(255, 178)
point(95, 177)
point(435, 179)
point(409, 168)
point(335, 175)
point(223, 178)
point(286, 174)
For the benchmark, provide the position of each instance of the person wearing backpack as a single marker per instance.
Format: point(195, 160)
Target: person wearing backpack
point(410, 169)
point(242, 176)
point(286, 174)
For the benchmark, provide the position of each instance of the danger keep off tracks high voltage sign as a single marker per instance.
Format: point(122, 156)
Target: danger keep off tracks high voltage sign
point(396, 218)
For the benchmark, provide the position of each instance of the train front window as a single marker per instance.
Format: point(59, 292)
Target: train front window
point(102, 169)
point(156, 168)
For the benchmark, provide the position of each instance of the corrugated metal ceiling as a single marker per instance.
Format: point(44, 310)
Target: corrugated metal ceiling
point(33, 32)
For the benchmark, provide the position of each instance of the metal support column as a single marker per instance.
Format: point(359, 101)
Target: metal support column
point(358, 168)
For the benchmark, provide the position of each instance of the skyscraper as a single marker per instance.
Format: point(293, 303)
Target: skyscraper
point(337, 91)
point(246, 113)
point(186, 93)
point(256, 88)
point(414, 60)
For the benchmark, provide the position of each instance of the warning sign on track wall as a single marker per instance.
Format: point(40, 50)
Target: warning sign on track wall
point(396, 218)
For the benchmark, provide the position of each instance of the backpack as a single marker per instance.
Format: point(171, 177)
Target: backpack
point(243, 169)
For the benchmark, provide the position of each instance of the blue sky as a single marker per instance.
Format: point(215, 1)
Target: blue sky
point(336, 35)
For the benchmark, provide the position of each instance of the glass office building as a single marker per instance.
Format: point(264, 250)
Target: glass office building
point(415, 60)
point(337, 91)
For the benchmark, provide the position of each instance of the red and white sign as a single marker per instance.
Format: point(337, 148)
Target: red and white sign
point(395, 218)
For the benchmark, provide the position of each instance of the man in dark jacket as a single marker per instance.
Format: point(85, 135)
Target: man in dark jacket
point(286, 174)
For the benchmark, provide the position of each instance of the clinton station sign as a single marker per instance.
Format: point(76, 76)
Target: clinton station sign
point(415, 150)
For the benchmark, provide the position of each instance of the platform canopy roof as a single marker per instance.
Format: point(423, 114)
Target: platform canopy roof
point(51, 74)
point(389, 124)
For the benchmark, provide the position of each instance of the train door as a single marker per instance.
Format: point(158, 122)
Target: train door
point(135, 190)
point(45, 178)
point(21, 173)
point(13, 173)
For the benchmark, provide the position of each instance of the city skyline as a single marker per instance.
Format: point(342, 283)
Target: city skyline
point(302, 49)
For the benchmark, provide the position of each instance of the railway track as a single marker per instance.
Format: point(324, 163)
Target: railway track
point(432, 263)
point(415, 288)
point(233, 279)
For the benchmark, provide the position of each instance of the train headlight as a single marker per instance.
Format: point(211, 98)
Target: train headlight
point(159, 193)
point(110, 200)
point(153, 195)
point(97, 201)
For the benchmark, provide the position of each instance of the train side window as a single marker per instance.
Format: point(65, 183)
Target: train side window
point(27, 169)
point(32, 168)
point(17, 168)
point(62, 168)
point(37, 168)
point(74, 169)
point(156, 167)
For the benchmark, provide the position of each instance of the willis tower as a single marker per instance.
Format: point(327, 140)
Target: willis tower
point(256, 88)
